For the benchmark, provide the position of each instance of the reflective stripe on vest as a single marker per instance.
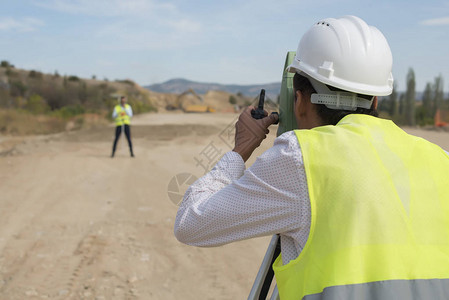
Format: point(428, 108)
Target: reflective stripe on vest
point(380, 215)
point(385, 290)
point(122, 117)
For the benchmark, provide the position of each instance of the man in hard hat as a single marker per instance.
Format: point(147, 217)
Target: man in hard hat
point(122, 114)
point(362, 208)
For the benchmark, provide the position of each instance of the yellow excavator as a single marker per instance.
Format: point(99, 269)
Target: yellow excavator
point(190, 105)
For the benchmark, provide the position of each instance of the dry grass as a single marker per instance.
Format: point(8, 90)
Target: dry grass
point(17, 122)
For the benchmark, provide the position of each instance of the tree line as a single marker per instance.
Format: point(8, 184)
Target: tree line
point(67, 96)
point(406, 109)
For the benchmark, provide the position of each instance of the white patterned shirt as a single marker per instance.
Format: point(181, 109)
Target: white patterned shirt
point(230, 204)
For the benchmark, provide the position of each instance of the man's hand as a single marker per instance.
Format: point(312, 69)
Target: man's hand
point(250, 132)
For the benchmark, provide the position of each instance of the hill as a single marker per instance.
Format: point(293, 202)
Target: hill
point(32, 102)
point(19, 87)
point(180, 85)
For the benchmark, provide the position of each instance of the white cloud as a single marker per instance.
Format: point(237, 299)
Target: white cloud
point(436, 22)
point(109, 8)
point(20, 25)
point(184, 25)
point(138, 24)
point(147, 37)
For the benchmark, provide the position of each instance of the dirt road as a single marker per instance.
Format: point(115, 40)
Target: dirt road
point(76, 224)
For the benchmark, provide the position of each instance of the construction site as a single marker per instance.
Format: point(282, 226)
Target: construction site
point(75, 224)
point(170, 150)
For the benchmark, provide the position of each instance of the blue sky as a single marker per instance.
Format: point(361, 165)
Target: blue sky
point(229, 42)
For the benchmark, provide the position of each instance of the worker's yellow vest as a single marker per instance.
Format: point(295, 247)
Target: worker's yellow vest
point(380, 215)
point(122, 117)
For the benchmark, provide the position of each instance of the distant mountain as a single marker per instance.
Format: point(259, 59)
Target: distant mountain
point(180, 85)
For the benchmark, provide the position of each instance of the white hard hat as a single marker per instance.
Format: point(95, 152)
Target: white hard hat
point(348, 54)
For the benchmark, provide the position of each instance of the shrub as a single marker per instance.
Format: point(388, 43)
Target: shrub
point(36, 105)
point(19, 102)
point(35, 74)
point(18, 88)
point(5, 64)
point(68, 112)
point(73, 78)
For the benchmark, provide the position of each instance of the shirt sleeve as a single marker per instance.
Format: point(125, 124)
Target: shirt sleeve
point(230, 204)
point(114, 113)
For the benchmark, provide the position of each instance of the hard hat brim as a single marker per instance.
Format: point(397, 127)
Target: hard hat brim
point(297, 67)
point(293, 67)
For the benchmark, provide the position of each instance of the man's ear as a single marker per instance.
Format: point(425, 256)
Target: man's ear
point(375, 102)
point(298, 97)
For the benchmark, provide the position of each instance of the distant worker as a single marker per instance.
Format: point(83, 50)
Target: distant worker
point(362, 207)
point(122, 114)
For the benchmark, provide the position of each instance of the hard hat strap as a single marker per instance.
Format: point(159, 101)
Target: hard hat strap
point(336, 99)
point(341, 100)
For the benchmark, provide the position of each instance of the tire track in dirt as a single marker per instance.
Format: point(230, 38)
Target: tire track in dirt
point(89, 249)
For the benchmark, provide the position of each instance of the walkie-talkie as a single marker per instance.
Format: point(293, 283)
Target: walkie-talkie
point(259, 113)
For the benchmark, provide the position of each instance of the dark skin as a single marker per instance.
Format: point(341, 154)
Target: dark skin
point(249, 132)
point(122, 103)
point(305, 112)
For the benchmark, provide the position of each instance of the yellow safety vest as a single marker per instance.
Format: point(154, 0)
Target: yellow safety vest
point(380, 215)
point(122, 117)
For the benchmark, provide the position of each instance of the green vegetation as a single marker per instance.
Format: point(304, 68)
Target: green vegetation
point(35, 74)
point(36, 105)
point(5, 64)
point(405, 109)
point(63, 98)
point(410, 98)
point(74, 78)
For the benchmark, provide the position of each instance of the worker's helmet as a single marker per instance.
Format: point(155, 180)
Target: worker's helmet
point(348, 54)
